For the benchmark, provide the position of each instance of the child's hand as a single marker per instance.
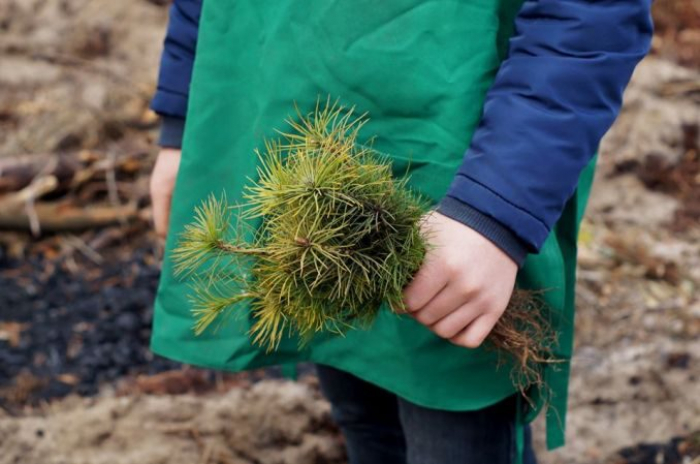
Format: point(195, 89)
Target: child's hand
point(162, 185)
point(464, 284)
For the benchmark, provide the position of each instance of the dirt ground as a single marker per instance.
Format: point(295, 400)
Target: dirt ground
point(637, 360)
point(76, 76)
point(270, 423)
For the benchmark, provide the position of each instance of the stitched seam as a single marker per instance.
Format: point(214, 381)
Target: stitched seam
point(515, 246)
point(520, 208)
point(174, 92)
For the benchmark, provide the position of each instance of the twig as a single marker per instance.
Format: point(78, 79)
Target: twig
point(89, 252)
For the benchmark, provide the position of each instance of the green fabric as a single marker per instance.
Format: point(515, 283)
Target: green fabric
point(421, 70)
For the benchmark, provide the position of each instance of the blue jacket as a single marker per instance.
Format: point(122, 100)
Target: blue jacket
point(555, 95)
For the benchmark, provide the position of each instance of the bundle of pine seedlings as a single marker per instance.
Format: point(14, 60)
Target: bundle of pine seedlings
point(338, 235)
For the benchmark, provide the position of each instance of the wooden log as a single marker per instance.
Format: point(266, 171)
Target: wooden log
point(62, 216)
point(70, 170)
point(18, 172)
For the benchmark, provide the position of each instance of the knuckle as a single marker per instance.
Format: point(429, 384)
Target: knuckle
point(473, 342)
point(410, 304)
point(444, 331)
point(493, 307)
point(453, 266)
point(424, 317)
point(467, 291)
point(469, 339)
point(486, 302)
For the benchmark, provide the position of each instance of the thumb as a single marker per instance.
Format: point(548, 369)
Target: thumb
point(162, 186)
point(161, 202)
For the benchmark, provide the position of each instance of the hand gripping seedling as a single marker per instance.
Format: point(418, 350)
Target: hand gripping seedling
point(338, 235)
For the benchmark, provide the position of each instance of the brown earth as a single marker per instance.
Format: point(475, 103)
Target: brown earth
point(637, 359)
point(270, 422)
point(76, 75)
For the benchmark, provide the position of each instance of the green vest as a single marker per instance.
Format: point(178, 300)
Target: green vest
point(421, 70)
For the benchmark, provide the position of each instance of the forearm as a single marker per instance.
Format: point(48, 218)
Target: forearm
point(177, 59)
point(553, 98)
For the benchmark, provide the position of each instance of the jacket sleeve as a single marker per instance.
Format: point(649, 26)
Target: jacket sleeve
point(177, 59)
point(555, 95)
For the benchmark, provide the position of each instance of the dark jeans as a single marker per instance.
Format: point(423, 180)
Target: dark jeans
point(381, 428)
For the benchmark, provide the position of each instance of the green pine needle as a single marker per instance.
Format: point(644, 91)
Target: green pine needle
point(339, 234)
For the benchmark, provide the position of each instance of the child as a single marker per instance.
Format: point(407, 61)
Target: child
point(526, 89)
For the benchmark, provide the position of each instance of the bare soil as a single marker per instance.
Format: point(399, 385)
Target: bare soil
point(270, 422)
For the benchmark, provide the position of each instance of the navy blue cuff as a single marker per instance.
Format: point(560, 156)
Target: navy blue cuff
point(490, 228)
point(170, 103)
point(171, 130)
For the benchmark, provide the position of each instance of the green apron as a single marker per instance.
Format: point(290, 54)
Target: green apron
point(421, 70)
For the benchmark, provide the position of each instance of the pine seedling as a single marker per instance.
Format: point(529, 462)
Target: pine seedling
point(338, 235)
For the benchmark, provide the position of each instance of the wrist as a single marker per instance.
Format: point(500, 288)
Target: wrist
point(490, 228)
point(172, 129)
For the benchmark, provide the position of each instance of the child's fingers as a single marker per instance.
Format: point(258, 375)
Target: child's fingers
point(455, 322)
point(427, 283)
point(161, 188)
point(475, 334)
point(447, 301)
point(161, 212)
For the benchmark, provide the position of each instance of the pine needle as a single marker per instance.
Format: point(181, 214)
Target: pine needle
point(339, 235)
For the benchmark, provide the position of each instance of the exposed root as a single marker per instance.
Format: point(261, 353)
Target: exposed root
point(524, 333)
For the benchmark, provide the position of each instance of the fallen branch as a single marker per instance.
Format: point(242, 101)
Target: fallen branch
point(62, 216)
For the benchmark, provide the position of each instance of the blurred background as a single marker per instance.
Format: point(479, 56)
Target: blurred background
point(79, 266)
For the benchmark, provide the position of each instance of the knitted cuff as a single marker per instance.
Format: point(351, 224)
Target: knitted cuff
point(171, 130)
point(490, 228)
